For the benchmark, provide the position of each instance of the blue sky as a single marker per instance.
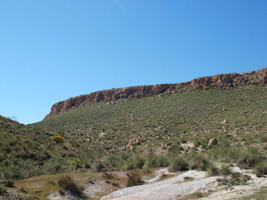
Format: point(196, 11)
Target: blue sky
point(55, 49)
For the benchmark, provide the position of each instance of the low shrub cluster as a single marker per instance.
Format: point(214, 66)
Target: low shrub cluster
point(2, 190)
point(8, 183)
point(179, 164)
point(67, 183)
point(261, 169)
point(134, 179)
point(235, 179)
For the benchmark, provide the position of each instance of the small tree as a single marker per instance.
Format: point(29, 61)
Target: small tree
point(58, 139)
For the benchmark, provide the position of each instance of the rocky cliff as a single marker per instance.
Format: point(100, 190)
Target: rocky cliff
point(222, 81)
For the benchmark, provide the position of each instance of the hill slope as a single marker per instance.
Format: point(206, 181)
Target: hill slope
point(168, 124)
point(25, 152)
point(135, 133)
point(224, 81)
point(159, 118)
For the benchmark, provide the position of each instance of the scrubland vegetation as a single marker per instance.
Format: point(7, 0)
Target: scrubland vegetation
point(95, 136)
point(168, 130)
point(163, 126)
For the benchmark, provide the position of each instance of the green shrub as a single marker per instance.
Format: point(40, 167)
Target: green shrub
point(8, 183)
point(239, 179)
point(23, 190)
point(108, 175)
point(179, 164)
point(251, 158)
point(261, 169)
point(135, 162)
point(163, 161)
point(225, 170)
point(213, 171)
point(67, 183)
point(200, 162)
point(2, 190)
point(199, 194)
point(175, 149)
point(151, 161)
point(98, 166)
point(134, 179)
point(154, 161)
point(264, 138)
point(115, 161)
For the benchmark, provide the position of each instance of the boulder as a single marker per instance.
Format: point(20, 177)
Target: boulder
point(213, 141)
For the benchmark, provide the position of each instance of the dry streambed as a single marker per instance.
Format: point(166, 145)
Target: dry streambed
point(187, 186)
point(159, 185)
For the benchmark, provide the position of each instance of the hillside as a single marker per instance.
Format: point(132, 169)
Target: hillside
point(25, 152)
point(108, 135)
point(165, 124)
point(221, 81)
point(208, 128)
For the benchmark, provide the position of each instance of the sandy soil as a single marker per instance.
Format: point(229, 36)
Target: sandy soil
point(163, 190)
point(178, 188)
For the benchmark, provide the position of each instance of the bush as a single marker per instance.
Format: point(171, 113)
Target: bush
point(134, 179)
point(8, 183)
point(67, 183)
point(200, 162)
point(175, 149)
point(206, 87)
point(108, 175)
point(154, 161)
point(2, 190)
point(58, 139)
point(213, 171)
point(163, 161)
point(251, 158)
point(115, 161)
point(261, 169)
point(179, 164)
point(199, 194)
point(135, 162)
point(151, 161)
point(239, 179)
point(98, 166)
point(225, 170)
point(23, 190)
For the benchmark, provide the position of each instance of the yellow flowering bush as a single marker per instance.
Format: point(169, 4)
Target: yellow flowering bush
point(58, 139)
point(213, 84)
point(206, 87)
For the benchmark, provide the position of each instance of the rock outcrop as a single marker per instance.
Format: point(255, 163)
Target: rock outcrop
point(223, 81)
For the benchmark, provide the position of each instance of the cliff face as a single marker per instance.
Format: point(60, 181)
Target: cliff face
point(223, 81)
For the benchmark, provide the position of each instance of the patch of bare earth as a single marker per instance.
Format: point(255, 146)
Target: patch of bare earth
point(189, 185)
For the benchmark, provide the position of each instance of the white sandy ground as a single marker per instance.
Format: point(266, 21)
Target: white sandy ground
point(239, 191)
point(164, 190)
point(176, 187)
point(159, 174)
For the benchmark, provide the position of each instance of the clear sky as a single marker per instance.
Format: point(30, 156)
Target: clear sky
point(51, 50)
